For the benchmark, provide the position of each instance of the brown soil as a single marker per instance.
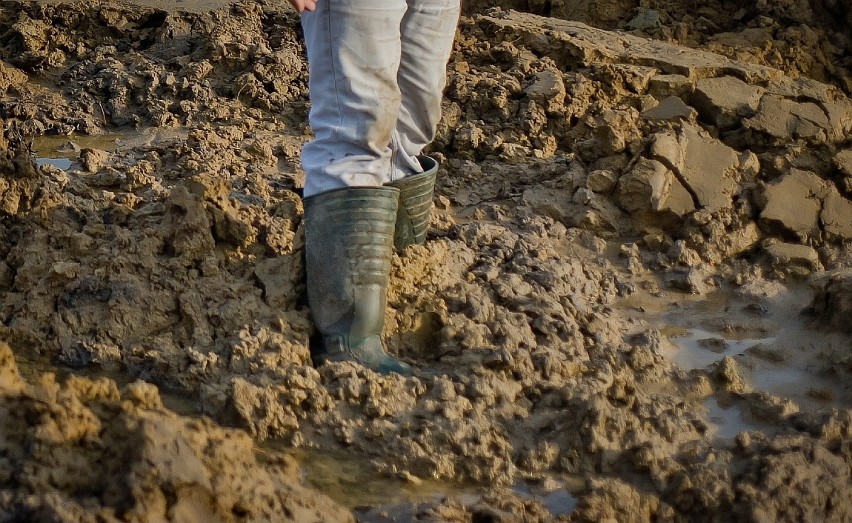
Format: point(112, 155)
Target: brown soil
point(604, 198)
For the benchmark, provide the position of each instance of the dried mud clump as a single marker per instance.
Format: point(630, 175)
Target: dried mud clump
point(808, 38)
point(703, 157)
point(85, 451)
point(21, 181)
point(832, 304)
point(782, 478)
point(137, 66)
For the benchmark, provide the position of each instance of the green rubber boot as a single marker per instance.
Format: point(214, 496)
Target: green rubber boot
point(415, 204)
point(348, 245)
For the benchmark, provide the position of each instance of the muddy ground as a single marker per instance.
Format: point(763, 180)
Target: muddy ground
point(633, 304)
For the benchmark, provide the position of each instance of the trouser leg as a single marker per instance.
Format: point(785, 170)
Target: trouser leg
point(354, 50)
point(427, 31)
point(428, 28)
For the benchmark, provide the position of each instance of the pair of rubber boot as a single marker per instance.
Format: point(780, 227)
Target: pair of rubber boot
point(350, 234)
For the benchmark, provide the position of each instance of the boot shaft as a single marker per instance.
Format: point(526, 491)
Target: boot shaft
point(415, 204)
point(348, 246)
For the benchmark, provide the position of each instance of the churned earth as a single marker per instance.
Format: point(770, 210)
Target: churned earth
point(633, 304)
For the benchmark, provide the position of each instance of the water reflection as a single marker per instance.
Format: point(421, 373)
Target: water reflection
point(59, 163)
point(62, 151)
point(698, 348)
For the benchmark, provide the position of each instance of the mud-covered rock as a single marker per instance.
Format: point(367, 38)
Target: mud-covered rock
point(708, 168)
point(670, 108)
point(11, 77)
point(843, 160)
point(836, 216)
point(725, 100)
point(594, 45)
point(784, 119)
point(793, 259)
point(648, 186)
point(19, 179)
point(683, 173)
point(805, 206)
point(794, 202)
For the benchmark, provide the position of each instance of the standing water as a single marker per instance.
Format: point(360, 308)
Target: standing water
point(775, 351)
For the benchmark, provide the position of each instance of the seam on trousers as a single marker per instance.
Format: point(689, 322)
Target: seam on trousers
point(333, 72)
point(394, 145)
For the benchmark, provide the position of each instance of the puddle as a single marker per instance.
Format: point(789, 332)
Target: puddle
point(59, 163)
point(806, 388)
point(62, 151)
point(776, 351)
point(352, 481)
point(790, 363)
point(698, 348)
point(560, 502)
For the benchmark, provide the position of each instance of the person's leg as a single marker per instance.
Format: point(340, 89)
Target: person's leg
point(427, 32)
point(353, 56)
point(348, 243)
point(428, 28)
point(354, 49)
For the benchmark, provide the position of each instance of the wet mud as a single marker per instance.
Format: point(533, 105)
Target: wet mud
point(632, 305)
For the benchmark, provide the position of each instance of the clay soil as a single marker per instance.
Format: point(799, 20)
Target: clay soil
point(634, 302)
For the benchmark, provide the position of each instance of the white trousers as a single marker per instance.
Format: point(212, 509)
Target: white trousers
point(377, 74)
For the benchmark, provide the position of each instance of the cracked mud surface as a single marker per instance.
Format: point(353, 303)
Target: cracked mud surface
point(632, 305)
